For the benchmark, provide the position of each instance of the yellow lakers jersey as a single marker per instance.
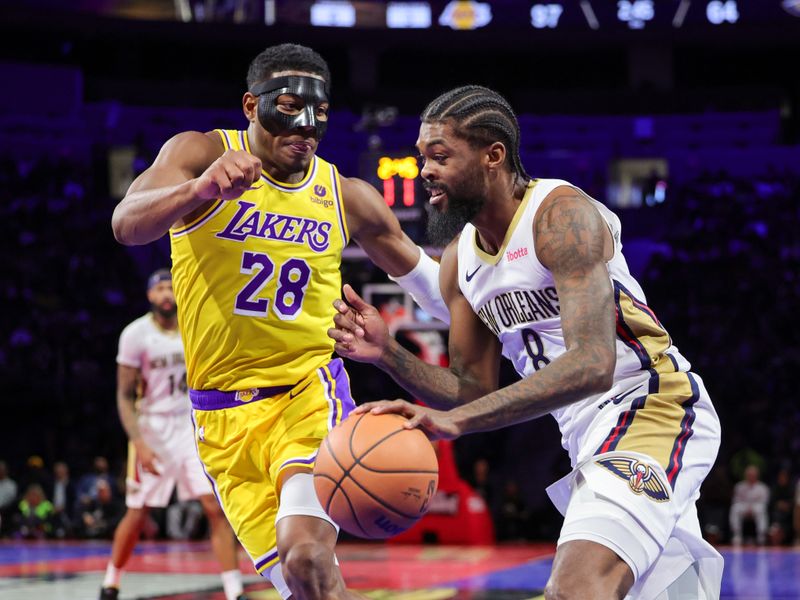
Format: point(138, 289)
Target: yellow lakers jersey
point(255, 279)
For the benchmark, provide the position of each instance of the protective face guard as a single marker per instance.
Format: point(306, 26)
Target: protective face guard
point(312, 90)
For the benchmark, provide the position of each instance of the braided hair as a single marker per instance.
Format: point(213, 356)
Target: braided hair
point(481, 116)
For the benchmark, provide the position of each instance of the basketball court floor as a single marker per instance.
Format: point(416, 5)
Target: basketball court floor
point(187, 571)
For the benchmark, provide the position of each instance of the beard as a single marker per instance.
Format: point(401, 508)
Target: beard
point(166, 310)
point(463, 204)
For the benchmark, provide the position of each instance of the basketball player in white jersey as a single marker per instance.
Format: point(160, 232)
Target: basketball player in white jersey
point(154, 408)
point(537, 275)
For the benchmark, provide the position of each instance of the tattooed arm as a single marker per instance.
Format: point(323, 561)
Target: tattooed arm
point(474, 351)
point(572, 240)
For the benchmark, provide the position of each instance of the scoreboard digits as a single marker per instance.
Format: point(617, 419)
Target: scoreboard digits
point(468, 15)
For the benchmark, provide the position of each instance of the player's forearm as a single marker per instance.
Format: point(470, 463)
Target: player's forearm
point(127, 416)
point(438, 387)
point(571, 377)
point(144, 216)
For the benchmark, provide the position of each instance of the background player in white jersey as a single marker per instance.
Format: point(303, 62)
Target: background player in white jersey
point(154, 408)
point(537, 274)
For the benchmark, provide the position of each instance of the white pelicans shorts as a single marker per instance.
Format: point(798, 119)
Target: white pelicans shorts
point(171, 436)
point(635, 485)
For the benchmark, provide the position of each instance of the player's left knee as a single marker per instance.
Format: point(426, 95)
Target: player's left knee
point(309, 565)
point(567, 588)
point(553, 592)
point(589, 576)
point(563, 588)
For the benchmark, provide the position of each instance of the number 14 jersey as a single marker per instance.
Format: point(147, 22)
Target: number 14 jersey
point(255, 279)
point(158, 355)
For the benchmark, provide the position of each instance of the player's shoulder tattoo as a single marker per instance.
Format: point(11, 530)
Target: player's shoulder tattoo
point(568, 232)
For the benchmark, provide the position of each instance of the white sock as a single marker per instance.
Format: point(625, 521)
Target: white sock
point(113, 575)
point(232, 583)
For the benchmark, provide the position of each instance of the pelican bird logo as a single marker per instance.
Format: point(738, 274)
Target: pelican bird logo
point(641, 478)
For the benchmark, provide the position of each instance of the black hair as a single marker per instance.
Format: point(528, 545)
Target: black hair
point(481, 116)
point(287, 57)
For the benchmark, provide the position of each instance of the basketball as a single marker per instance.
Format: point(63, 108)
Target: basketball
point(374, 478)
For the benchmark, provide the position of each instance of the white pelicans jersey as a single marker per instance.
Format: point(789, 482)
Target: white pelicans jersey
point(516, 298)
point(158, 354)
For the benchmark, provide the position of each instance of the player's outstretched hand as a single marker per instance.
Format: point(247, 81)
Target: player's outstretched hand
point(146, 457)
point(437, 424)
point(360, 332)
point(228, 177)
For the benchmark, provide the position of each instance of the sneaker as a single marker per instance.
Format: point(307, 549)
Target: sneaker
point(109, 593)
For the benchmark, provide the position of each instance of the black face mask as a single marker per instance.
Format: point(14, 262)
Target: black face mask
point(312, 90)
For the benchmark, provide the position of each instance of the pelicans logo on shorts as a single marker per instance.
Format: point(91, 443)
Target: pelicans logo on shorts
point(640, 477)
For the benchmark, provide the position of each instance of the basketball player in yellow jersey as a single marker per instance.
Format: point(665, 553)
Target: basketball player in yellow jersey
point(257, 224)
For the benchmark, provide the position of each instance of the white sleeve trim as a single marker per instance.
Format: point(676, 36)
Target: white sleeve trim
point(422, 282)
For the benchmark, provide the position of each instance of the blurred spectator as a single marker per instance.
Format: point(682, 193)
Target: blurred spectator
point(63, 495)
point(797, 514)
point(99, 514)
point(35, 518)
point(87, 484)
point(35, 473)
point(714, 504)
point(781, 514)
point(742, 459)
point(8, 494)
point(513, 516)
point(750, 501)
point(480, 481)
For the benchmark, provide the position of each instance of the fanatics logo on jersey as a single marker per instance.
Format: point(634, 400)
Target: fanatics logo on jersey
point(512, 255)
point(246, 395)
point(641, 478)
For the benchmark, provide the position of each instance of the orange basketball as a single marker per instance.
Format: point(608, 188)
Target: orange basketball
point(374, 478)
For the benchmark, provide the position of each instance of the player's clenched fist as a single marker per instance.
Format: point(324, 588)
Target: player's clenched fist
point(228, 177)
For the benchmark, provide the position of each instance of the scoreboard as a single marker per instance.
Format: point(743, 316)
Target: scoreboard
point(589, 15)
point(395, 174)
point(456, 15)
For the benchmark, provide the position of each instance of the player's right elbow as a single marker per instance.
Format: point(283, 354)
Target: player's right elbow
point(598, 371)
point(603, 373)
point(121, 233)
point(123, 228)
point(603, 381)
